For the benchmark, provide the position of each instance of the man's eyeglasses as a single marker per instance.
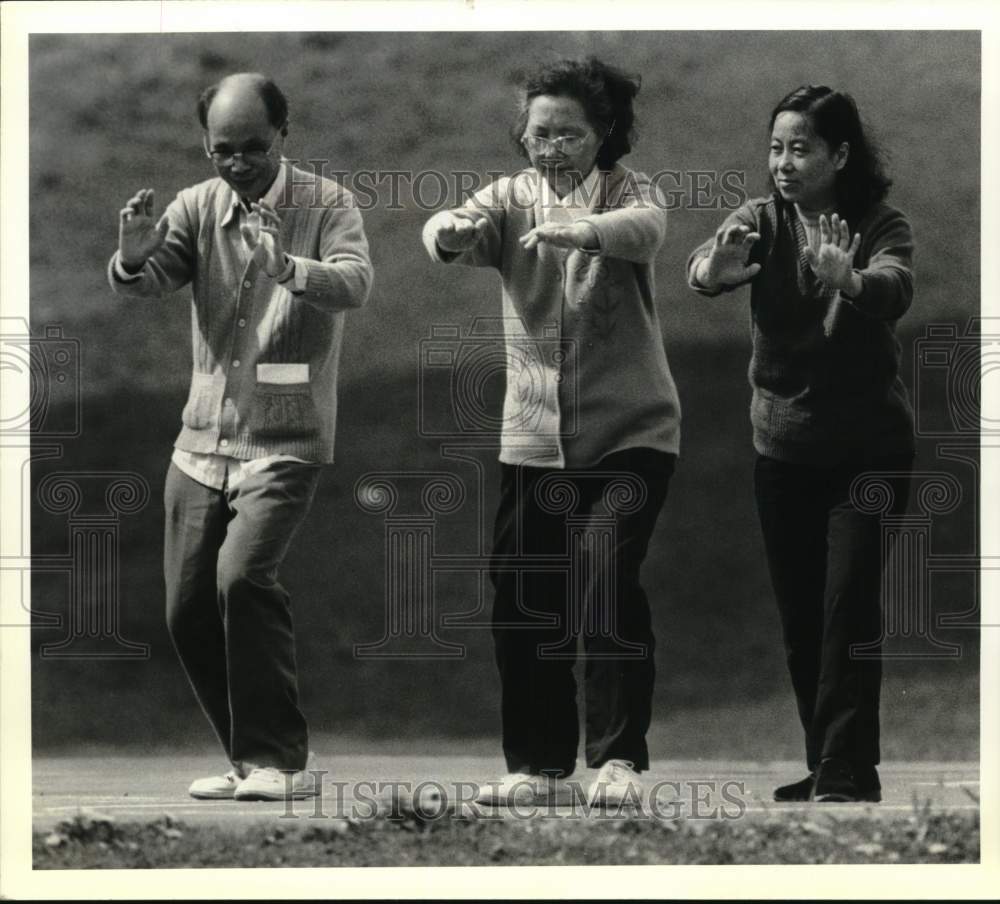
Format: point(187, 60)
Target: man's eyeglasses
point(563, 144)
point(253, 153)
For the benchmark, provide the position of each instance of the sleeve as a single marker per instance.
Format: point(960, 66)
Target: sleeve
point(887, 277)
point(171, 267)
point(342, 276)
point(491, 202)
point(742, 216)
point(633, 231)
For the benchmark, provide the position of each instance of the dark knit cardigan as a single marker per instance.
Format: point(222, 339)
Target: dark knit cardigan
point(825, 367)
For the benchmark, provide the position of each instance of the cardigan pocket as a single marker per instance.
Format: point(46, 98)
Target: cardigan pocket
point(282, 409)
point(202, 408)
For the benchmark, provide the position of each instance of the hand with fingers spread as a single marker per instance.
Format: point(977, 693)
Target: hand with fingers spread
point(833, 261)
point(461, 230)
point(140, 235)
point(577, 235)
point(264, 239)
point(726, 264)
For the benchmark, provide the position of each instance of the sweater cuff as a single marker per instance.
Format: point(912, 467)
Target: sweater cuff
point(847, 297)
point(596, 247)
point(294, 276)
point(121, 274)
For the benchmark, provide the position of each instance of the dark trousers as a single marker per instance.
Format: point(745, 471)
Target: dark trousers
point(826, 560)
point(229, 618)
point(551, 587)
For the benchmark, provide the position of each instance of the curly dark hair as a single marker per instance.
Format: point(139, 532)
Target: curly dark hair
point(272, 96)
point(834, 117)
point(605, 93)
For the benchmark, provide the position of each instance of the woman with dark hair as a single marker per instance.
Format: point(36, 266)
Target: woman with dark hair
point(591, 426)
point(829, 411)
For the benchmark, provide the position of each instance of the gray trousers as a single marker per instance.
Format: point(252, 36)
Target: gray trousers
point(229, 617)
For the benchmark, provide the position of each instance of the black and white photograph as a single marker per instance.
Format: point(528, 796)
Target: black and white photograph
point(465, 435)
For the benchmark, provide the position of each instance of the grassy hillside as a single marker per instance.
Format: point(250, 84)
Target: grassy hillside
point(110, 114)
point(721, 687)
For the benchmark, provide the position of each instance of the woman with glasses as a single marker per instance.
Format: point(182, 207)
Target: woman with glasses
point(591, 428)
point(829, 268)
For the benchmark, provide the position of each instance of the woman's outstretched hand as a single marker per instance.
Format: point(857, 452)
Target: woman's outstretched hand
point(460, 231)
point(726, 264)
point(575, 235)
point(833, 261)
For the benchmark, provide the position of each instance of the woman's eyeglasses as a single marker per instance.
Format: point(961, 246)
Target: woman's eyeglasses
point(563, 144)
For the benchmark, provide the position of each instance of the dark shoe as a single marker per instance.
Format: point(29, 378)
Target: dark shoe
point(801, 790)
point(836, 782)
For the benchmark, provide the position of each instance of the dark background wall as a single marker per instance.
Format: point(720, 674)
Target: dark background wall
point(111, 114)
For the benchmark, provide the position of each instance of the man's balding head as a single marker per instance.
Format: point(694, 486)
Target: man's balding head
point(244, 89)
point(245, 117)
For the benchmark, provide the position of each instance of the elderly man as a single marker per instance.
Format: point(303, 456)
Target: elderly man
point(274, 256)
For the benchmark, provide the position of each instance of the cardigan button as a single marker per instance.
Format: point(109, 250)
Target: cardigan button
point(236, 363)
point(247, 284)
point(223, 442)
point(241, 322)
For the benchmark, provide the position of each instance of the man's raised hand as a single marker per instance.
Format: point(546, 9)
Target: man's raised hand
point(265, 240)
point(139, 234)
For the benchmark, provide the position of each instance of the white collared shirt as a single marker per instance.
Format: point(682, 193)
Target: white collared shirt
point(579, 203)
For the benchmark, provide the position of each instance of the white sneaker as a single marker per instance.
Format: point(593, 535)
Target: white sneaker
point(217, 787)
point(519, 788)
point(268, 783)
point(616, 785)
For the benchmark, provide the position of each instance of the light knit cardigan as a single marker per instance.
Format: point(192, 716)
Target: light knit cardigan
point(587, 374)
point(245, 400)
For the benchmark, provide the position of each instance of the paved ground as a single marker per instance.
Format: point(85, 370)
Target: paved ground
point(147, 787)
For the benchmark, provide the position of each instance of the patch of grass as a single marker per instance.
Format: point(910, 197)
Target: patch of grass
point(721, 669)
point(92, 841)
point(112, 113)
point(382, 102)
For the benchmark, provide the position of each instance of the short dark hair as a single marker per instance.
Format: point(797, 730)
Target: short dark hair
point(604, 92)
point(272, 96)
point(834, 117)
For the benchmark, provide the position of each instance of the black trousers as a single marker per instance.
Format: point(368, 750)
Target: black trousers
point(826, 560)
point(567, 550)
